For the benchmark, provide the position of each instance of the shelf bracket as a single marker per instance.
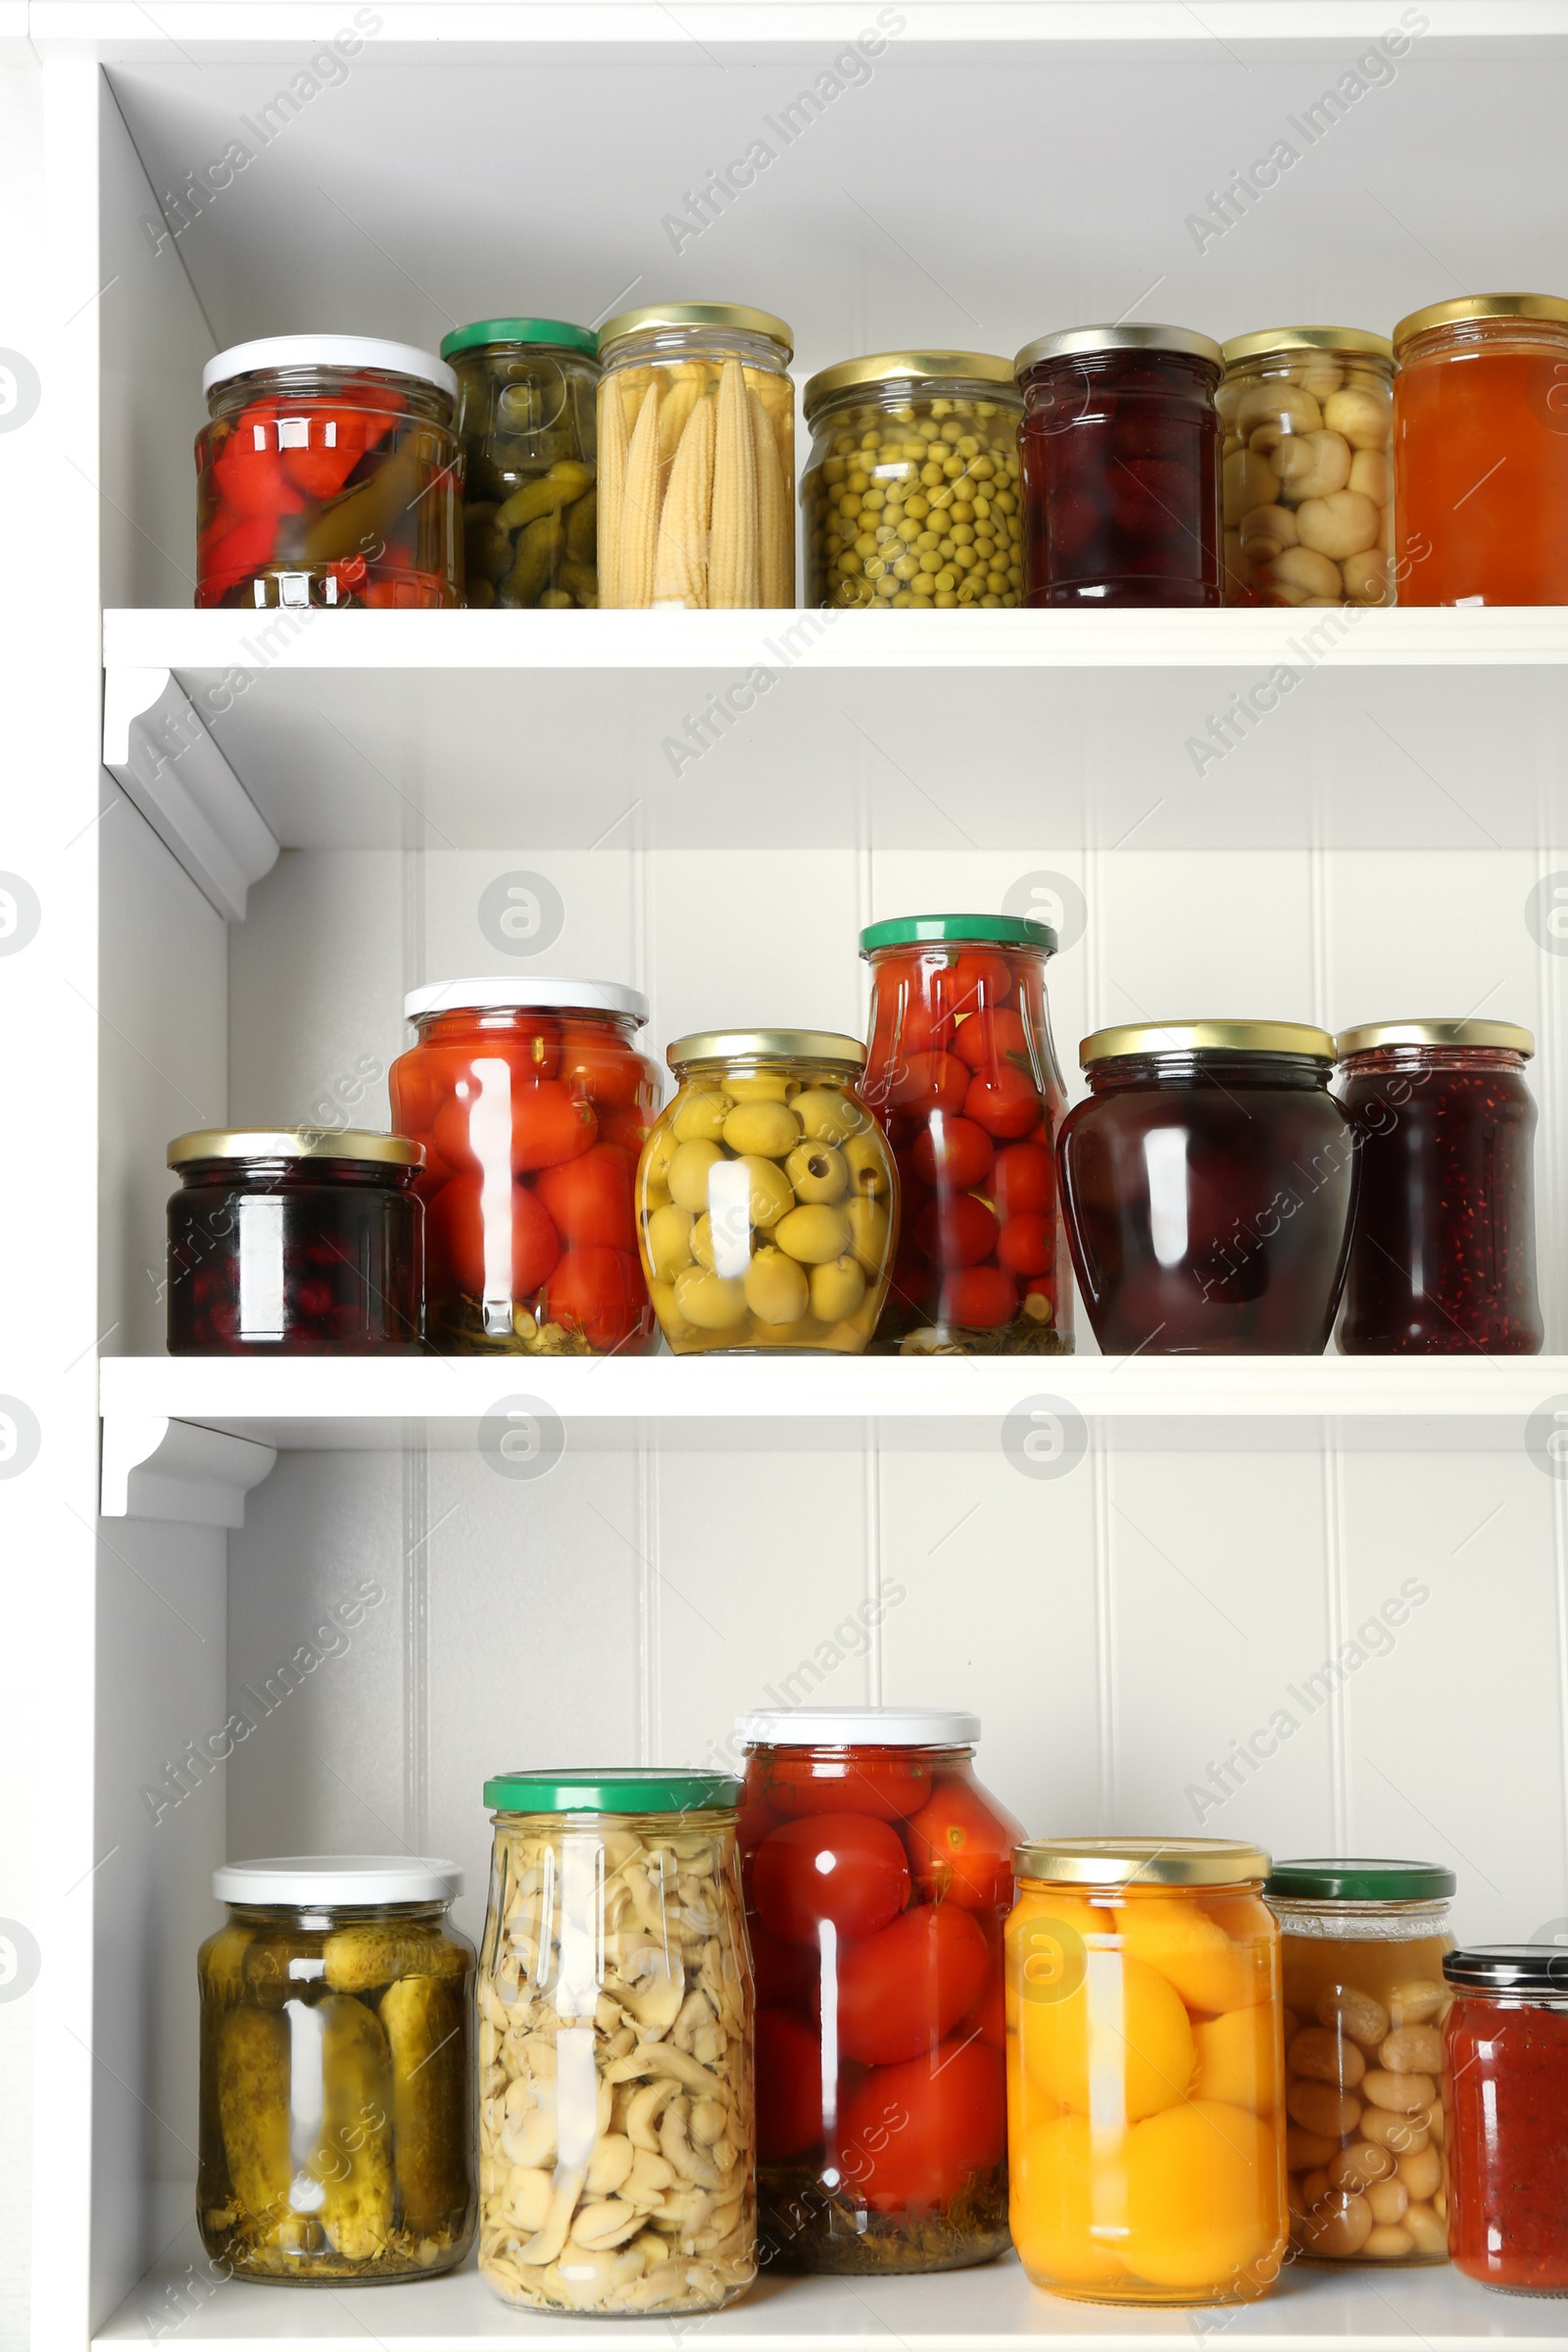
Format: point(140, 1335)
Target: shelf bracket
point(156, 1468)
point(158, 749)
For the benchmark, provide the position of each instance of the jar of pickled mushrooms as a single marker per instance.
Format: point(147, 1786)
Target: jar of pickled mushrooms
point(1308, 468)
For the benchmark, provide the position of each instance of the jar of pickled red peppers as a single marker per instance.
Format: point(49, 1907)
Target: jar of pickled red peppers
point(329, 474)
point(1363, 1945)
point(696, 459)
point(1144, 2029)
point(1307, 467)
point(1504, 2095)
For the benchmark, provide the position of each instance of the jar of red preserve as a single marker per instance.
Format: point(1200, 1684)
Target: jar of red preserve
point(878, 1877)
point(1121, 468)
point(962, 1074)
point(1442, 1254)
point(1505, 2101)
point(533, 1103)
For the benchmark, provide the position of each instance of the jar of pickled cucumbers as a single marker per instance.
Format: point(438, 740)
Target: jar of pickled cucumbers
point(615, 2157)
point(525, 419)
point(912, 496)
point(1144, 2135)
point(696, 459)
point(336, 2113)
point(1364, 2004)
point(1307, 469)
point(766, 1199)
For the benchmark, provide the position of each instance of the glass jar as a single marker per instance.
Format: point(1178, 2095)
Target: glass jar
point(525, 419)
point(616, 2151)
point(1443, 1250)
point(329, 474)
point(1364, 2004)
point(295, 1241)
point(1481, 451)
point(765, 1200)
point(532, 1103)
point(1206, 1185)
point(1120, 449)
point(912, 495)
point(1504, 2096)
point(1144, 2070)
point(962, 1074)
point(1307, 467)
point(696, 459)
point(336, 2108)
point(878, 1878)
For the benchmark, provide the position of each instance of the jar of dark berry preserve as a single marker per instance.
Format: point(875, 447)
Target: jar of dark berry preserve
point(1121, 477)
point(1442, 1257)
point(1505, 2094)
point(1208, 1183)
point(295, 1241)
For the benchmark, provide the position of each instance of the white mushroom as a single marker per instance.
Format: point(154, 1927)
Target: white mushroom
point(658, 2058)
point(1249, 481)
point(609, 2163)
point(1280, 403)
point(1368, 579)
point(550, 2236)
point(676, 2144)
point(1265, 531)
point(1309, 466)
point(645, 2185)
point(708, 2121)
point(528, 2138)
point(1345, 524)
point(1372, 474)
point(1300, 575)
point(1361, 415)
point(644, 2110)
point(609, 2224)
point(525, 2199)
point(695, 2011)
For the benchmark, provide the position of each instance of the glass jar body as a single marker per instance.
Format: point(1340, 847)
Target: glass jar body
point(962, 1074)
point(1443, 1251)
point(1208, 1202)
point(881, 2099)
point(295, 1257)
point(1307, 479)
point(327, 486)
point(1120, 453)
point(604, 1933)
point(533, 1123)
point(1505, 2094)
point(696, 507)
point(1162, 2004)
point(1481, 464)
point(767, 1210)
point(525, 419)
point(912, 498)
point(360, 2019)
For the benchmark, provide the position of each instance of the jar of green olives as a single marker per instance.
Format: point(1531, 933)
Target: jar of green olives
point(911, 493)
point(766, 1199)
point(525, 418)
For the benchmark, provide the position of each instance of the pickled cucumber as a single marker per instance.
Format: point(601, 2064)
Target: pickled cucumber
point(253, 2078)
point(359, 1958)
point(353, 2159)
point(429, 2048)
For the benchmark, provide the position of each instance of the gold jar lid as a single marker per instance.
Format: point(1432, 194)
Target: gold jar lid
point(1500, 1037)
point(1140, 1861)
point(1078, 342)
point(910, 369)
point(734, 316)
point(1480, 306)
point(766, 1044)
point(1354, 339)
point(294, 1143)
point(1206, 1036)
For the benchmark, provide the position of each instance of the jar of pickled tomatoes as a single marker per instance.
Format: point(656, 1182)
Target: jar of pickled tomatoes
point(533, 1103)
point(1504, 2096)
point(1143, 2019)
point(962, 1074)
point(878, 1876)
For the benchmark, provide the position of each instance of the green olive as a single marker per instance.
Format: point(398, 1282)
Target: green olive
point(867, 1160)
point(765, 1086)
point(708, 1300)
point(814, 1235)
point(669, 1236)
point(817, 1172)
point(826, 1116)
point(775, 1288)
point(771, 1197)
point(837, 1290)
point(657, 1152)
point(870, 1234)
point(688, 1174)
point(732, 1241)
point(699, 1119)
point(769, 1129)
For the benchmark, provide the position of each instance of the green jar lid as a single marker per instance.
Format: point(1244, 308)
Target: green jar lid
point(994, 930)
point(556, 332)
point(1330, 1879)
point(626, 1789)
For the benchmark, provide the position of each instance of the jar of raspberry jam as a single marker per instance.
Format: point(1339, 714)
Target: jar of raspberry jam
point(295, 1241)
point(1442, 1254)
point(1206, 1185)
point(1121, 468)
point(1505, 2100)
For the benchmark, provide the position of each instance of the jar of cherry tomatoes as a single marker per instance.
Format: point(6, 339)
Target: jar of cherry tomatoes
point(533, 1103)
point(1504, 2096)
point(878, 1876)
point(962, 1074)
point(329, 474)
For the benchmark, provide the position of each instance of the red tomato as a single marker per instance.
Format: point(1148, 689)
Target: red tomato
point(533, 1052)
point(1004, 1100)
point(986, 1037)
point(980, 1299)
point(604, 1071)
point(956, 1232)
point(600, 1292)
point(901, 1989)
point(785, 1973)
point(954, 1151)
point(911, 1285)
point(757, 1816)
point(928, 1082)
point(988, 2016)
point(455, 1239)
point(789, 2087)
point(626, 1127)
point(913, 2135)
point(980, 977)
point(1025, 1181)
point(1041, 1285)
point(590, 1199)
point(962, 1847)
point(890, 1785)
point(1026, 1245)
point(549, 1124)
point(845, 1867)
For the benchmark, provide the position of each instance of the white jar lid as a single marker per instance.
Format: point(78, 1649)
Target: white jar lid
point(859, 1727)
point(533, 994)
point(330, 351)
point(317, 1882)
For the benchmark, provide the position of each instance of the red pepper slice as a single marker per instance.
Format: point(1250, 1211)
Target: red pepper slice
point(338, 439)
point(248, 472)
point(230, 548)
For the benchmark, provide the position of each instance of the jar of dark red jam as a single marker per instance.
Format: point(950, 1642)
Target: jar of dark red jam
point(295, 1241)
point(1121, 468)
point(1206, 1185)
point(1505, 2103)
point(1442, 1255)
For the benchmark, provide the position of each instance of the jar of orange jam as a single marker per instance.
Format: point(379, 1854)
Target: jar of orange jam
point(1144, 2129)
point(1481, 451)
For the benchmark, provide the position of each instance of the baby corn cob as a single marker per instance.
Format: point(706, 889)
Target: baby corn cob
point(775, 538)
point(639, 508)
point(732, 574)
point(680, 565)
point(611, 483)
point(676, 406)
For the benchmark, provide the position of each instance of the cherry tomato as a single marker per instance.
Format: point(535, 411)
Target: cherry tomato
point(980, 978)
point(888, 1783)
point(928, 1082)
point(954, 1152)
point(956, 1232)
point(845, 1867)
point(600, 1292)
point(1041, 1285)
point(914, 2134)
point(986, 1037)
point(1025, 1181)
point(549, 1124)
point(980, 1299)
point(786, 1975)
point(1026, 1245)
point(1004, 1100)
point(962, 1847)
point(910, 1285)
point(455, 1239)
point(604, 1071)
point(590, 1199)
point(789, 2087)
point(904, 1988)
